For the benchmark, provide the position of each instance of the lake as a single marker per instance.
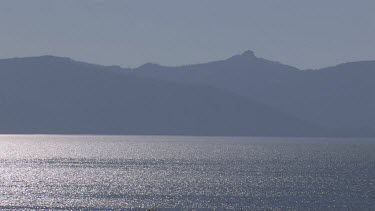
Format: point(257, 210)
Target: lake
point(185, 173)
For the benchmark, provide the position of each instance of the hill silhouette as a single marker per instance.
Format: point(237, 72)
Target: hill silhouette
point(50, 94)
point(339, 97)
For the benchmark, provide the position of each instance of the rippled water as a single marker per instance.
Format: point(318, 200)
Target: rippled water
point(202, 173)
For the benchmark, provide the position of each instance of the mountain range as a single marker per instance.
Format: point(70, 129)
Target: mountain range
point(241, 95)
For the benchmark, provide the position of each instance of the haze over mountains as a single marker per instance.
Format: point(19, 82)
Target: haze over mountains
point(242, 95)
point(339, 97)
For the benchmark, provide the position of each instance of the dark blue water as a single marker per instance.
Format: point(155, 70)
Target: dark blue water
point(174, 173)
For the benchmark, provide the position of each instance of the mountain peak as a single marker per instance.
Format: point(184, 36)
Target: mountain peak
point(245, 56)
point(150, 65)
point(249, 54)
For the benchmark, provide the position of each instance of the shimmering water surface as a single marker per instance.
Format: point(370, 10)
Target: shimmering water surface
point(202, 173)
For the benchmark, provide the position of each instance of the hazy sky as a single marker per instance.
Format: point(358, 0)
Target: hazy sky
point(303, 33)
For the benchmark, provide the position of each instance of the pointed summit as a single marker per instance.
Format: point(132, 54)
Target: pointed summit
point(149, 65)
point(249, 54)
point(244, 57)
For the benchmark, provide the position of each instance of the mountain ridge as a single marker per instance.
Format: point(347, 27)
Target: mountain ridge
point(312, 95)
point(309, 97)
point(250, 52)
point(58, 96)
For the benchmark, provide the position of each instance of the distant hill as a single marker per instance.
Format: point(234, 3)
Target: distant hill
point(340, 97)
point(50, 94)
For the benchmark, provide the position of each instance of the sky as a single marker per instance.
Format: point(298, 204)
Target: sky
point(303, 33)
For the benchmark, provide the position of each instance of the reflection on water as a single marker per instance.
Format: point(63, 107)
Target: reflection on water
point(202, 173)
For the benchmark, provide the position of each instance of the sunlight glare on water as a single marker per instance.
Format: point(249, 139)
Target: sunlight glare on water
point(202, 173)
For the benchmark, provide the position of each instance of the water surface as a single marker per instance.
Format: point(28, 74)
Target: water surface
point(202, 173)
